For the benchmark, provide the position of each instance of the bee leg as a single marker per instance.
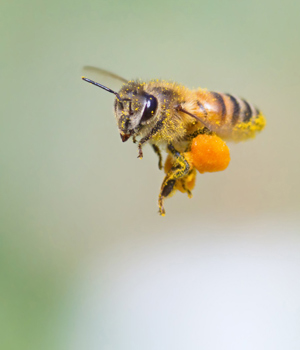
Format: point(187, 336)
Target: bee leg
point(181, 169)
point(140, 155)
point(157, 151)
point(189, 193)
point(141, 142)
point(148, 137)
point(166, 189)
point(201, 131)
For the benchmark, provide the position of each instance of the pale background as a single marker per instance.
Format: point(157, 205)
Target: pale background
point(85, 260)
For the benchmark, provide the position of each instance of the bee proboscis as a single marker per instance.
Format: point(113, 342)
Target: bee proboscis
point(192, 125)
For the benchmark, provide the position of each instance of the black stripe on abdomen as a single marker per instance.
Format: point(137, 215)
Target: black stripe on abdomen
point(236, 109)
point(220, 99)
point(247, 113)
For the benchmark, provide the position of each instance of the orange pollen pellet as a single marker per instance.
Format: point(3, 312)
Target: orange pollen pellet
point(209, 153)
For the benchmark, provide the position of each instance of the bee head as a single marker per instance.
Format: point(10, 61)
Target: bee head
point(134, 108)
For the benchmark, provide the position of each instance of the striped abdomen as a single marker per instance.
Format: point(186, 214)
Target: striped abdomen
point(229, 116)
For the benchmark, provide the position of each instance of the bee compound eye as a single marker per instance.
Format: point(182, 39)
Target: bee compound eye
point(150, 108)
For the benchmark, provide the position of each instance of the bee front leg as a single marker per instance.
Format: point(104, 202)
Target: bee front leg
point(148, 137)
point(180, 169)
point(141, 142)
point(140, 155)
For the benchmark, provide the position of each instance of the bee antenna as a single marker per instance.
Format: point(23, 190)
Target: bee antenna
point(102, 87)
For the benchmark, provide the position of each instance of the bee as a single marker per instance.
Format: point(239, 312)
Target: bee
point(191, 125)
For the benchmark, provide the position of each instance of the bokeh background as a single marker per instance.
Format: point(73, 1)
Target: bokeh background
point(85, 260)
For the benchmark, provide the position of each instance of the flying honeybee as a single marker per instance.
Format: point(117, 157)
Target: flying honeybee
point(190, 124)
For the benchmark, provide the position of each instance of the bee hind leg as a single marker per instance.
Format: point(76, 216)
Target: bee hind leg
point(180, 169)
point(166, 188)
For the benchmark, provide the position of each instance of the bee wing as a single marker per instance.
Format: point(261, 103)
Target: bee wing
point(198, 118)
point(99, 74)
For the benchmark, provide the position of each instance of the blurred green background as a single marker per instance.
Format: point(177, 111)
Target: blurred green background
point(85, 260)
